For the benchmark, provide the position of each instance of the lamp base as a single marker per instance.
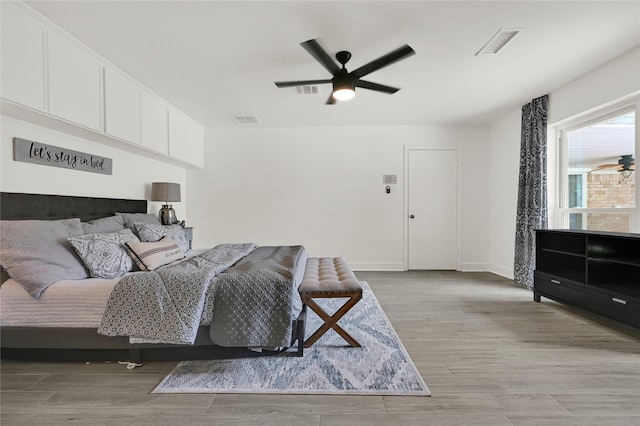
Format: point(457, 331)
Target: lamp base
point(167, 215)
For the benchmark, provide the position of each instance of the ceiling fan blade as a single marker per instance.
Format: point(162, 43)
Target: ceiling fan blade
point(300, 83)
point(375, 86)
point(398, 54)
point(331, 100)
point(320, 55)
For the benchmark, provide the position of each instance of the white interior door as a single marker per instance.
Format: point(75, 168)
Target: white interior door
point(433, 209)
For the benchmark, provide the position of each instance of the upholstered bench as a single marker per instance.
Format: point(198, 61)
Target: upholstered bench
point(329, 277)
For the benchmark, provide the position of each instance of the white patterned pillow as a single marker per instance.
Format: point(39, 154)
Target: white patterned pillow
point(152, 255)
point(104, 254)
point(151, 232)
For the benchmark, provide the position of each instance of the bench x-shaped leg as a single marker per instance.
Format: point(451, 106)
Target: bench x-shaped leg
point(331, 321)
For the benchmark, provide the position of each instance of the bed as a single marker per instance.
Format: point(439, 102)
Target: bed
point(68, 319)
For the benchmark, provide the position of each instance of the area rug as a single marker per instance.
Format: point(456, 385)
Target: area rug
point(381, 366)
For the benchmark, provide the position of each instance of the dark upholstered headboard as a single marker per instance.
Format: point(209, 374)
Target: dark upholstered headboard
point(19, 206)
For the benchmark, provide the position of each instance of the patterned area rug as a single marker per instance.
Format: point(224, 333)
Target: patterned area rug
point(381, 366)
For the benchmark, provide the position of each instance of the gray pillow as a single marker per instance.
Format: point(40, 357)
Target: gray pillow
point(130, 218)
point(36, 253)
point(104, 254)
point(151, 232)
point(104, 224)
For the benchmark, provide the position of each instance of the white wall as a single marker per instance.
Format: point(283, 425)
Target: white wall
point(131, 178)
point(615, 80)
point(505, 165)
point(322, 187)
point(605, 84)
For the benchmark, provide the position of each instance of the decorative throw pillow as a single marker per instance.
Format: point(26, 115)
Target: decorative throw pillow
point(104, 253)
point(130, 218)
point(36, 253)
point(150, 232)
point(103, 224)
point(152, 255)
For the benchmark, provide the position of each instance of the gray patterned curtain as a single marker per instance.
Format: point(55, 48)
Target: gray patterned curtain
point(532, 188)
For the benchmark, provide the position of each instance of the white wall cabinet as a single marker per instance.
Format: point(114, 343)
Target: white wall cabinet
point(22, 59)
point(122, 107)
point(195, 144)
point(178, 135)
point(74, 84)
point(154, 124)
point(186, 139)
point(45, 70)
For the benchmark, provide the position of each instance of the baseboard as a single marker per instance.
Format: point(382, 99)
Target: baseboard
point(500, 270)
point(374, 266)
point(464, 267)
point(473, 267)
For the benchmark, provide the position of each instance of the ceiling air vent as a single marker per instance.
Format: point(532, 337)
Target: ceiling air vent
point(498, 41)
point(306, 90)
point(246, 119)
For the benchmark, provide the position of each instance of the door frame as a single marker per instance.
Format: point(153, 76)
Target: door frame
point(407, 151)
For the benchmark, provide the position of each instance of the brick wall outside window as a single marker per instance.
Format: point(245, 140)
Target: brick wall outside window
point(609, 190)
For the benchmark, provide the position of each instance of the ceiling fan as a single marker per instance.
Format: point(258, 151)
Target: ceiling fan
point(626, 163)
point(345, 82)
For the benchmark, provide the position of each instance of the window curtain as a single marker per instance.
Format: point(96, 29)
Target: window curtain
point(532, 188)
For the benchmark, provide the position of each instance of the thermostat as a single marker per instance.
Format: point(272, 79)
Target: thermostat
point(389, 179)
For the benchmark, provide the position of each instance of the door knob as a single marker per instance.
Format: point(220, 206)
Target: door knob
point(412, 217)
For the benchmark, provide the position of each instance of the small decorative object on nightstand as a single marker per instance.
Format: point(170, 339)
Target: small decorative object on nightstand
point(188, 232)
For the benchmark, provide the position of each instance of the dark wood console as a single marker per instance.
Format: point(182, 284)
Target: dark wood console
point(597, 271)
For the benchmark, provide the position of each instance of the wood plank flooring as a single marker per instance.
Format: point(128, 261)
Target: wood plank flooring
point(489, 354)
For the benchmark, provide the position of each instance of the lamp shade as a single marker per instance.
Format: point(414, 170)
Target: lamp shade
point(165, 191)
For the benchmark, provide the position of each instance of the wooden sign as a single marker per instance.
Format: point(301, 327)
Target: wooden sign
point(48, 155)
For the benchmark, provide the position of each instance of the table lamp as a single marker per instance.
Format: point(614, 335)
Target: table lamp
point(167, 192)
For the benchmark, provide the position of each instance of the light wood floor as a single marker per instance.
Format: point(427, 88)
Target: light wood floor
point(490, 355)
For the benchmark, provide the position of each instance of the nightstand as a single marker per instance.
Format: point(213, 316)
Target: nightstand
point(188, 232)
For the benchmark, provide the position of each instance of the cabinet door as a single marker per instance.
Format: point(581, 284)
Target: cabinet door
point(74, 84)
point(195, 149)
point(22, 58)
point(154, 124)
point(178, 135)
point(122, 107)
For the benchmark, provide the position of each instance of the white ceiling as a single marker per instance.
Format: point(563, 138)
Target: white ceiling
point(215, 60)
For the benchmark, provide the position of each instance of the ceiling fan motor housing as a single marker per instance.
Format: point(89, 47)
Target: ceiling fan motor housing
point(626, 161)
point(342, 80)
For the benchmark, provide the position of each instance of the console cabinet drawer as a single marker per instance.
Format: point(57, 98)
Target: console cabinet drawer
point(613, 305)
point(560, 288)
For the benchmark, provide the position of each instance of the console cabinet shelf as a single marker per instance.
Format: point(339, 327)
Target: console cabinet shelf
point(597, 271)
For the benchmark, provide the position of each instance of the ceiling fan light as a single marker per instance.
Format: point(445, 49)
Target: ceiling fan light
point(344, 94)
point(344, 86)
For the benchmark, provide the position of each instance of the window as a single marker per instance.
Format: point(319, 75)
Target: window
point(598, 181)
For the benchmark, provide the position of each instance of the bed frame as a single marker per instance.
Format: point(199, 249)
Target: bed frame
point(85, 344)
